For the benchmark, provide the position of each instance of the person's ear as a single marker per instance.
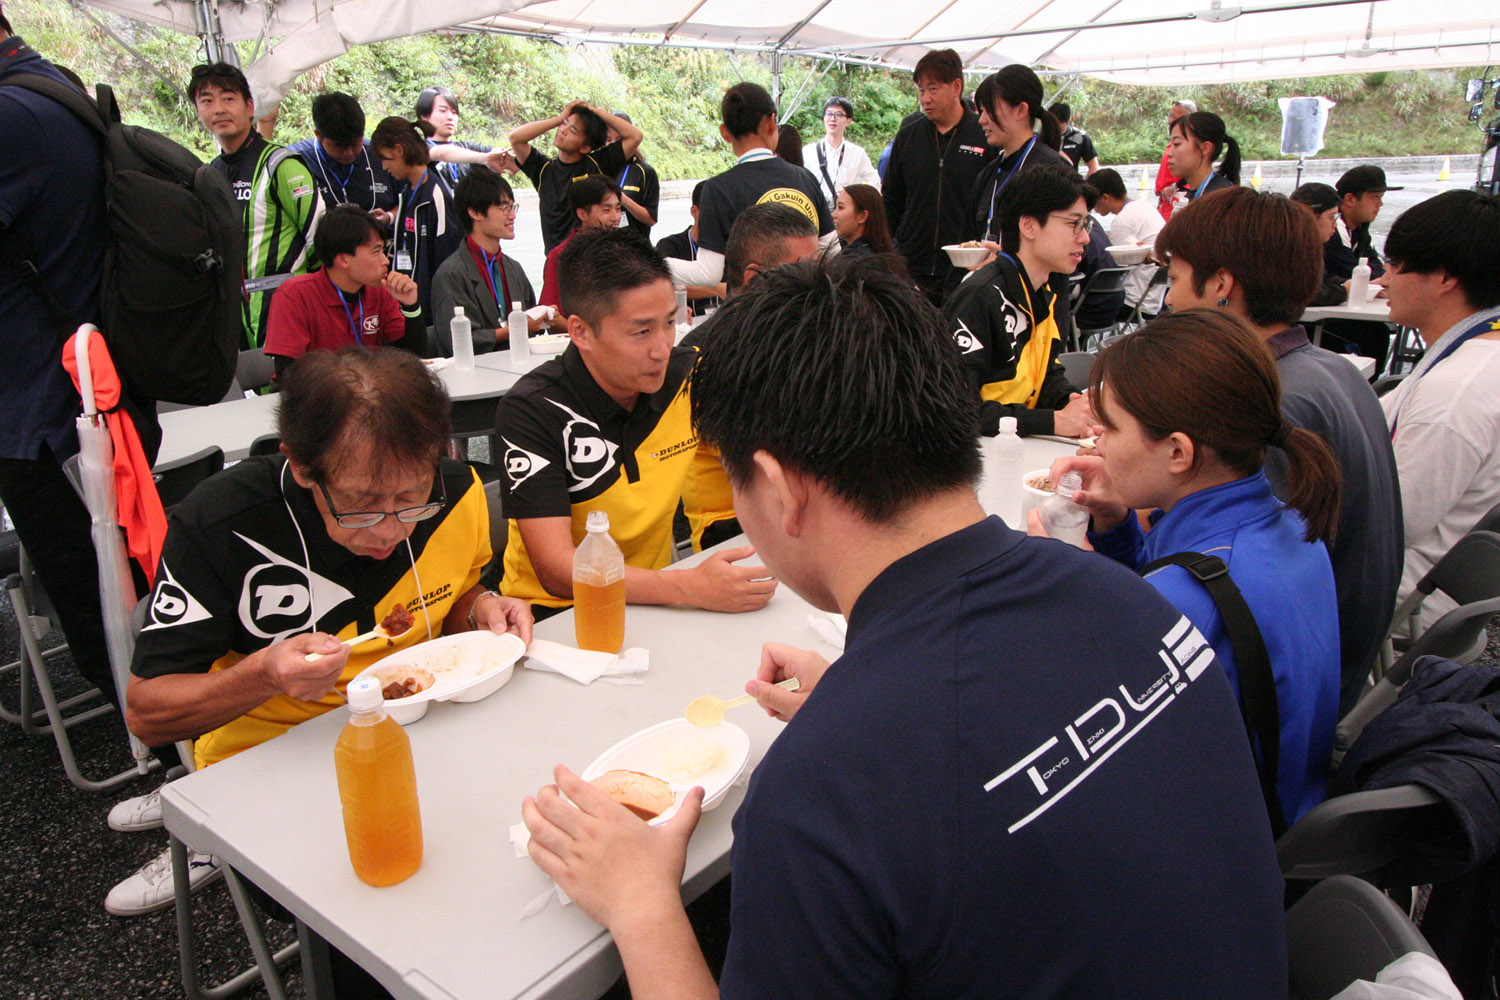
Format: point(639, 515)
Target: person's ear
point(1223, 287)
point(726, 135)
point(786, 490)
point(578, 329)
point(1181, 453)
point(300, 474)
point(1030, 228)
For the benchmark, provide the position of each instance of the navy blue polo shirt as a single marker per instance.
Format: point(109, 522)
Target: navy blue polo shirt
point(54, 194)
point(1026, 777)
point(363, 183)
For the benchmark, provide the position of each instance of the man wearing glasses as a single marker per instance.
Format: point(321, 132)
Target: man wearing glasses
point(836, 163)
point(283, 556)
point(1010, 317)
point(478, 276)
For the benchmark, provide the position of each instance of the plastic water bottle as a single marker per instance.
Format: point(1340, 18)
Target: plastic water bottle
point(378, 789)
point(1003, 473)
point(1359, 283)
point(463, 340)
point(1064, 519)
point(599, 588)
point(684, 314)
point(519, 326)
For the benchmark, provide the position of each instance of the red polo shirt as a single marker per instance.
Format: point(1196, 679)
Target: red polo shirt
point(308, 313)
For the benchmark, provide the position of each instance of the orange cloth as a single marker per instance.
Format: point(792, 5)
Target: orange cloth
point(138, 507)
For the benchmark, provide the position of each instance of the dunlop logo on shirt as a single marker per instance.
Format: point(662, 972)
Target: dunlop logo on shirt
point(662, 454)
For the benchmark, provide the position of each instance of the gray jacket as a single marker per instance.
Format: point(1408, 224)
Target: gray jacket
point(458, 282)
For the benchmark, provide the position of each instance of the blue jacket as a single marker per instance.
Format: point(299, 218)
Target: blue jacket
point(1288, 584)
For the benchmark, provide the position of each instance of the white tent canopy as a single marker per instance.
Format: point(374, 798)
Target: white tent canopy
point(1158, 42)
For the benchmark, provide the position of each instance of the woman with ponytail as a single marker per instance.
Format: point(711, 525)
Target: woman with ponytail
point(426, 231)
point(1017, 124)
point(1188, 406)
point(1198, 140)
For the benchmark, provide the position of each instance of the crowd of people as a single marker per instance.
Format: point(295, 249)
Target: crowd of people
point(1220, 433)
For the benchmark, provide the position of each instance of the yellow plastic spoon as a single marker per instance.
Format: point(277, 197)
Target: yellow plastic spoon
point(709, 710)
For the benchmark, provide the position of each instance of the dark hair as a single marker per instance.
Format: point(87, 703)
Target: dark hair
point(221, 75)
point(598, 264)
point(744, 107)
point(759, 236)
point(595, 132)
point(338, 118)
point(1090, 196)
point(332, 399)
point(842, 103)
point(343, 229)
point(1457, 232)
point(841, 370)
point(789, 144)
point(1204, 373)
point(1317, 196)
point(405, 135)
point(591, 191)
point(877, 231)
point(1109, 182)
point(479, 191)
point(1267, 242)
point(5, 24)
point(1034, 194)
point(429, 96)
point(939, 66)
point(1017, 85)
point(698, 192)
point(1061, 112)
point(1205, 126)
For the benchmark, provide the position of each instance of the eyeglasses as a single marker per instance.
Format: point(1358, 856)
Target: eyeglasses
point(834, 113)
point(508, 207)
point(214, 69)
point(370, 518)
point(1079, 226)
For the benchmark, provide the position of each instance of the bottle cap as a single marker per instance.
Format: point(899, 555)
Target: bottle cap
point(364, 694)
point(515, 306)
point(1007, 425)
point(598, 520)
point(458, 310)
point(1070, 483)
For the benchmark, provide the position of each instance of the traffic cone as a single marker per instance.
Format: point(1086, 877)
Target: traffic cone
point(1255, 181)
point(1145, 184)
point(1447, 172)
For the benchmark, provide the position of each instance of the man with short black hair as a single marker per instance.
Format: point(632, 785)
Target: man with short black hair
point(1010, 318)
point(1361, 192)
point(1444, 281)
point(935, 163)
point(1136, 222)
point(947, 801)
point(834, 161)
point(275, 186)
point(606, 427)
point(354, 299)
point(340, 158)
point(684, 246)
point(478, 275)
point(596, 205)
point(640, 189)
point(583, 149)
point(1076, 144)
point(437, 106)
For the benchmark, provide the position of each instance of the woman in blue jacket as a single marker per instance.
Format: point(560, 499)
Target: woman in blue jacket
point(1188, 406)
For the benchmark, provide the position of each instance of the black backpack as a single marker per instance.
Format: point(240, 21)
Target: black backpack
point(171, 289)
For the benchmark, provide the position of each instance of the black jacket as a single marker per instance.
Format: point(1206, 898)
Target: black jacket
point(1340, 259)
point(928, 183)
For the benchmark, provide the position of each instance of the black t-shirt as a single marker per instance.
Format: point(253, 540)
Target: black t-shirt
point(751, 182)
point(1077, 146)
point(1025, 778)
point(554, 179)
point(681, 247)
point(238, 167)
point(639, 183)
point(989, 184)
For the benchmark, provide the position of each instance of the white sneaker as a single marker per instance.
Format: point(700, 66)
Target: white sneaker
point(140, 813)
point(150, 889)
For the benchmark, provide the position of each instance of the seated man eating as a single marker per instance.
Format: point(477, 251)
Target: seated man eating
point(605, 427)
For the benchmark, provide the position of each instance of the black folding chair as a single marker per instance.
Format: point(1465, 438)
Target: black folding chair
point(1358, 833)
point(1468, 572)
point(1106, 282)
point(1343, 931)
point(1078, 366)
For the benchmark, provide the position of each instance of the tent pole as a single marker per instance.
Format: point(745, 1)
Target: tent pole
point(212, 33)
point(776, 77)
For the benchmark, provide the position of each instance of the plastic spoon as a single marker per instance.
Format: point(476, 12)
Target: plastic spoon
point(378, 632)
point(709, 710)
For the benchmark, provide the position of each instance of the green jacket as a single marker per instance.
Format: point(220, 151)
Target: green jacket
point(280, 217)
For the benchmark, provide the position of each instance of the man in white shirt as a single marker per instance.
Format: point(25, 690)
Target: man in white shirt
point(1443, 279)
point(835, 162)
point(1134, 222)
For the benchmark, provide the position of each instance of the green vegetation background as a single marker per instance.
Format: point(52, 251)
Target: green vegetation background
point(673, 94)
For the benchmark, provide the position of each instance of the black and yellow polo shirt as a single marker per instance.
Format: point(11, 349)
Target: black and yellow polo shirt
point(248, 562)
point(569, 449)
point(706, 496)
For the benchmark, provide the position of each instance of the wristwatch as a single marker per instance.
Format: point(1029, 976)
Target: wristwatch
point(472, 607)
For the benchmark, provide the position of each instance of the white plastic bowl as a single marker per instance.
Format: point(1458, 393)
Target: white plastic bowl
point(966, 256)
point(1031, 497)
point(466, 667)
point(549, 343)
point(1129, 254)
point(651, 751)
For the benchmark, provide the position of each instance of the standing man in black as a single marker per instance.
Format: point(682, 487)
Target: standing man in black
point(933, 167)
point(640, 189)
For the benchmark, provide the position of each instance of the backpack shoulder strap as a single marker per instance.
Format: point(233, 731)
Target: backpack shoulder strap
point(1252, 663)
point(823, 168)
point(65, 94)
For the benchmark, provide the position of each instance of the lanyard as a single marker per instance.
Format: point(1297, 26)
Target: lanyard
point(491, 265)
point(354, 328)
point(1478, 329)
point(692, 243)
point(409, 211)
point(1198, 193)
point(330, 175)
point(1000, 186)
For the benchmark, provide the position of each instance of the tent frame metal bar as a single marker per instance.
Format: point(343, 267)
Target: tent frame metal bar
point(134, 52)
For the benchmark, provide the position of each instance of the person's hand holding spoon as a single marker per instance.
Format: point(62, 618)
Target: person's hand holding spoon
point(709, 710)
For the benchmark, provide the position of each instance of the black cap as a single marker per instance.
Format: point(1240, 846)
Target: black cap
point(1358, 180)
point(1316, 196)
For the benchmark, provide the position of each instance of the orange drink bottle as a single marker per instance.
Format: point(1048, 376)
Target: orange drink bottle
point(378, 789)
point(599, 588)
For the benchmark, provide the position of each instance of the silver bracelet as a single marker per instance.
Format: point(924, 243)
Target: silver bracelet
point(488, 593)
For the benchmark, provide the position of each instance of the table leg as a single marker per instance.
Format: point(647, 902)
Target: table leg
point(317, 972)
